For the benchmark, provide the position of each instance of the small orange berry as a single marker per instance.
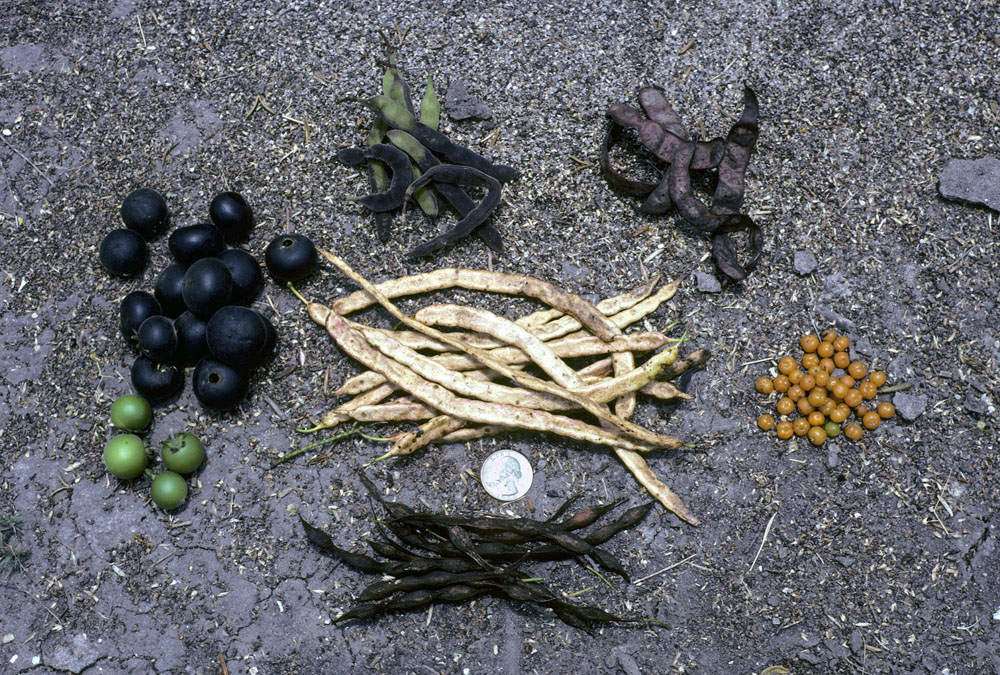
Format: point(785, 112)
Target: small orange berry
point(786, 364)
point(829, 335)
point(857, 370)
point(765, 422)
point(854, 431)
point(842, 343)
point(800, 426)
point(848, 381)
point(785, 430)
point(817, 435)
point(839, 414)
point(871, 420)
point(809, 343)
point(764, 385)
point(841, 359)
point(827, 364)
point(885, 410)
point(781, 383)
point(810, 360)
point(795, 392)
point(817, 397)
point(795, 376)
point(853, 398)
point(877, 377)
point(785, 406)
point(821, 377)
point(816, 418)
point(868, 390)
point(825, 350)
point(804, 406)
point(807, 382)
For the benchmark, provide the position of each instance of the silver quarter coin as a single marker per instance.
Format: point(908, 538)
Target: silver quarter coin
point(506, 475)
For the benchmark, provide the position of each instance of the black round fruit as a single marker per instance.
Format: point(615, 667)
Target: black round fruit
point(248, 280)
point(155, 381)
point(136, 308)
point(170, 290)
point(145, 211)
point(270, 344)
point(194, 242)
point(290, 257)
point(231, 214)
point(208, 286)
point(158, 339)
point(236, 335)
point(191, 345)
point(123, 252)
point(219, 386)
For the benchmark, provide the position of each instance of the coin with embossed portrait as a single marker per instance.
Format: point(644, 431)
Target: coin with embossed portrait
point(506, 475)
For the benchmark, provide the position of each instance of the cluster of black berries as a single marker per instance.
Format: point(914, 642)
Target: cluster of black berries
point(198, 313)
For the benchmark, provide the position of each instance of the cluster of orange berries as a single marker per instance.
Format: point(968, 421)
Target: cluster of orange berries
point(826, 389)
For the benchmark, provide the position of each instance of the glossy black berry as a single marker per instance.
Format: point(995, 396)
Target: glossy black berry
point(194, 242)
point(135, 308)
point(231, 214)
point(290, 257)
point(156, 381)
point(219, 386)
point(248, 280)
point(236, 335)
point(123, 252)
point(169, 290)
point(191, 345)
point(145, 211)
point(158, 339)
point(270, 344)
point(208, 286)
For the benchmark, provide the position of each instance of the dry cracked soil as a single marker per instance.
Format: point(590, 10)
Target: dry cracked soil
point(879, 556)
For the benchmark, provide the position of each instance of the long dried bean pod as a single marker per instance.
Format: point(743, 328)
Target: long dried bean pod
point(641, 434)
point(437, 396)
point(481, 280)
point(398, 163)
point(473, 318)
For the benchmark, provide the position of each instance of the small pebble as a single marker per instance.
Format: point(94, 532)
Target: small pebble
point(804, 262)
point(909, 406)
point(832, 457)
point(707, 283)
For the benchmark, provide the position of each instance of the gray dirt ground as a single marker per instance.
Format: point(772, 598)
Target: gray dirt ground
point(882, 556)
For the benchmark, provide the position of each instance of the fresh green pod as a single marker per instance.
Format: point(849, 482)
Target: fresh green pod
point(425, 197)
point(430, 106)
point(394, 112)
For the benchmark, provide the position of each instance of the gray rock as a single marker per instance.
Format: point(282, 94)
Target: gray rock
point(804, 262)
point(627, 663)
point(972, 181)
point(461, 105)
point(980, 405)
point(832, 457)
point(909, 407)
point(809, 657)
point(836, 286)
point(707, 283)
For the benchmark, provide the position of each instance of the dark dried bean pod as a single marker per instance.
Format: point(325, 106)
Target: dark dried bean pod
point(563, 508)
point(732, 170)
point(398, 117)
point(460, 539)
point(586, 517)
point(423, 565)
point(692, 209)
point(454, 195)
point(627, 186)
point(658, 202)
point(378, 181)
point(627, 520)
point(658, 109)
point(358, 561)
point(431, 581)
point(662, 143)
point(460, 176)
point(724, 251)
point(402, 176)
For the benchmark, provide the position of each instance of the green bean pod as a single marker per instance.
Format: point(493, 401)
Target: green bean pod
point(430, 107)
